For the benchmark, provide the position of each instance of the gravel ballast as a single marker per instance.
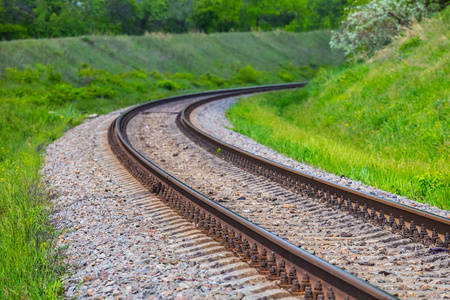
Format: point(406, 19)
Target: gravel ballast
point(113, 250)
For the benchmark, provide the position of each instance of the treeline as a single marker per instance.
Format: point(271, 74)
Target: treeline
point(57, 18)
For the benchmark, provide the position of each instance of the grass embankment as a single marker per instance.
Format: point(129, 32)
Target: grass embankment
point(198, 54)
point(79, 76)
point(384, 121)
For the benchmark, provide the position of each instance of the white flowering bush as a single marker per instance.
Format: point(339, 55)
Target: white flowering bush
point(372, 26)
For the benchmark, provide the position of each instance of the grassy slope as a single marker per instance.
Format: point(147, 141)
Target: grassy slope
point(385, 122)
point(193, 53)
point(37, 104)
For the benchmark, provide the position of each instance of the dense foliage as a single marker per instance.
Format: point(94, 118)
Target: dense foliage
point(56, 18)
point(371, 26)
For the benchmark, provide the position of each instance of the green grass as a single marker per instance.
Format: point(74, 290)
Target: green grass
point(384, 121)
point(195, 53)
point(48, 86)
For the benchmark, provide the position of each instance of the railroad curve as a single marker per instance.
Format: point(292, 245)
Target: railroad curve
point(251, 242)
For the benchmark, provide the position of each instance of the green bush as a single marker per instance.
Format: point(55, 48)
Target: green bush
point(62, 93)
point(286, 76)
point(168, 85)
point(210, 80)
point(155, 74)
point(53, 77)
point(182, 75)
point(141, 74)
point(26, 76)
point(248, 75)
point(94, 91)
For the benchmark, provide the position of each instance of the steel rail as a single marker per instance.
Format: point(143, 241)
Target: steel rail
point(380, 210)
point(233, 230)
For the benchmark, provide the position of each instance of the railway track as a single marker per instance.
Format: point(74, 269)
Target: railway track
point(376, 241)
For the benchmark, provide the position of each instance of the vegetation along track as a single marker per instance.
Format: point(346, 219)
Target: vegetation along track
point(297, 207)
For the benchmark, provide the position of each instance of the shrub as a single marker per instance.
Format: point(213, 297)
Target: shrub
point(94, 91)
point(28, 75)
point(168, 85)
point(181, 75)
point(309, 72)
point(141, 74)
point(372, 26)
point(62, 93)
point(210, 80)
point(156, 75)
point(286, 76)
point(248, 75)
point(52, 76)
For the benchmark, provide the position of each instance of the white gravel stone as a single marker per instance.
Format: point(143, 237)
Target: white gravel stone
point(112, 251)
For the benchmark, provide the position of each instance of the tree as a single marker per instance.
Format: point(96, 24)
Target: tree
point(42, 13)
point(54, 18)
point(257, 12)
point(69, 22)
point(8, 14)
point(1, 11)
point(216, 15)
point(371, 26)
point(178, 16)
point(302, 15)
point(96, 16)
point(153, 14)
point(123, 14)
point(326, 13)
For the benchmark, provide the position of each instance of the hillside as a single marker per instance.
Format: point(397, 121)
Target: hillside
point(384, 121)
point(195, 53)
